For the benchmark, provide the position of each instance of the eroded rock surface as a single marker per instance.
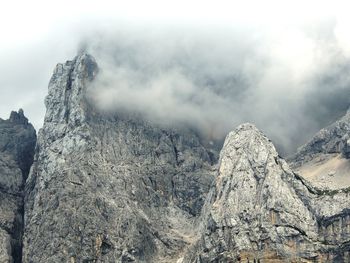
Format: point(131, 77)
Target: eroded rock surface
point(324, 160)
point(116, 188)
point(260, 211)
point(17, 142)
point(107, 188)
point(330, 140)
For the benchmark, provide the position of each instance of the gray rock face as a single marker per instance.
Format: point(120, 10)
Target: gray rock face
point(107, 188)
point(259, 210)
point(115, 188)
point(330, 140)
point(17, 142)
point(324, 160)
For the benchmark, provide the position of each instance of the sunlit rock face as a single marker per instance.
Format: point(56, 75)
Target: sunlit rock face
point(258, 209)
point(17, 142)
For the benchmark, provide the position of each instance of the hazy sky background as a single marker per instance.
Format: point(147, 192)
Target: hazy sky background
point(283, 65)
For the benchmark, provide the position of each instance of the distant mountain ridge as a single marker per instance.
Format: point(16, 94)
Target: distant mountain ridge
point(324, 160)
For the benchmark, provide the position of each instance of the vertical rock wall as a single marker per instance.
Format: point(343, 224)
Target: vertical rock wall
point(17, 142)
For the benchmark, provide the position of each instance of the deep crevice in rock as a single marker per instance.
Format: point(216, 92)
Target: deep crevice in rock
point(18, 231)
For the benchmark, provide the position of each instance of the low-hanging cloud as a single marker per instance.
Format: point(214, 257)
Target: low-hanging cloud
point(289, 84)
point(279, 66)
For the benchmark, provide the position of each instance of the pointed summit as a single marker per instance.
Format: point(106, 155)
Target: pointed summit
point(18, 117)
point(248, 141)
point(66, 100)
point(107, 189)
point(258, 210)
point(86, 65)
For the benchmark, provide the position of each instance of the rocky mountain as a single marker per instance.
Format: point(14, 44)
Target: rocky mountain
point(113, 187)
point(325, 159)
point(107, 188)
point(259, 210)
point(17, 142)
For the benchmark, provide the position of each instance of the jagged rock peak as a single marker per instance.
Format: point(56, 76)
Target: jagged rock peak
point(259, 210)
point(251, 142)
point(18, 138)
point(66, 102)
point(18, 117)
point(17, 142)
point(83, 65)
point(247, 126)
point(246, 132)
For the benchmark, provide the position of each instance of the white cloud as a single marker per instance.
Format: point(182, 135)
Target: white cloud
point(268, 57)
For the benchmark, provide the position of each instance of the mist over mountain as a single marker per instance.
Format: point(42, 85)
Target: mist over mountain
point(169, 131)
point(279, 66)
point(107, 186)
point(214, 80)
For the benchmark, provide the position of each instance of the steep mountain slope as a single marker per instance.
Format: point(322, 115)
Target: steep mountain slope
point(258, 210)
point(115, 188)
point(324, 160)
point(17, 142)
point(107, 188)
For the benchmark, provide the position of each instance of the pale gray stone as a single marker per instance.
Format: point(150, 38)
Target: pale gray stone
point(259, 210)
point(115, 188)
point(109, 188)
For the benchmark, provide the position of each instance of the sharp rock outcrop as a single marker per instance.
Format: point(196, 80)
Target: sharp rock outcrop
point(258, 210)
point(324, 160)
point(332, 139)
point(17, 142)
point(109, 188)
point(115, 188)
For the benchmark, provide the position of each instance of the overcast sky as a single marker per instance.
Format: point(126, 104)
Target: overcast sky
point(283, 65)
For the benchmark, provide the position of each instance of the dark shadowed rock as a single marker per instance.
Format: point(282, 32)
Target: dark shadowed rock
point(17, 142)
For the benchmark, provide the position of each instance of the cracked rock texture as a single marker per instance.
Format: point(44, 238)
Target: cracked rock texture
point(325, 159)
point(330, 140)
point(17, 142)
point(115, 188)
point(109, 188)
point(258, 210)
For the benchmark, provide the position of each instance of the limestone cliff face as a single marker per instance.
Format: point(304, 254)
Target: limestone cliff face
point(17, 142)
point(107, 188)
point(258, 210)
point(116, 188)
